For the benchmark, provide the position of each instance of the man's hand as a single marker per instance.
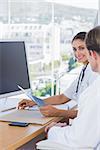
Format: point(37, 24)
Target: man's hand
point(50, 126)
point(55, 124)
point(49, 111)
point(25, 103)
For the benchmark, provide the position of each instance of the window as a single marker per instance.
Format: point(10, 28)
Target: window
point(47, 27)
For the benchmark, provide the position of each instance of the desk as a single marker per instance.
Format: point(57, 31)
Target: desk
point(12, 138)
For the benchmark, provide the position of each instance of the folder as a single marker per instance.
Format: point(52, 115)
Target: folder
point(26, 116)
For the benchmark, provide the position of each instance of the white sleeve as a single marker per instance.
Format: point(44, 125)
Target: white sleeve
point(83, 133)
point(51, 145)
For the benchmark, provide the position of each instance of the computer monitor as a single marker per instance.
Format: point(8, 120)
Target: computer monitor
point(13, 68)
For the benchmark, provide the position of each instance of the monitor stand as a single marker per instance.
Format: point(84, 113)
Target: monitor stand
point(8, 103)
point(11, 102)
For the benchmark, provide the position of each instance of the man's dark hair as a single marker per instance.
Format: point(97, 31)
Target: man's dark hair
point(93, 40)
point(80, 36)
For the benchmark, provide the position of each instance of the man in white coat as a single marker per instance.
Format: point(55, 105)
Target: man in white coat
point(84, 133)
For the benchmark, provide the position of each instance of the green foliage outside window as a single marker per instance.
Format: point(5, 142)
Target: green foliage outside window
point(45, 91)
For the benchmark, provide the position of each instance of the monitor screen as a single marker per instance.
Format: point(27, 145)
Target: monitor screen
point(13, 67)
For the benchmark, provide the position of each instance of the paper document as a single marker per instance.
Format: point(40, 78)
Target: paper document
point(37, 100)
point(26, 116)
point(66, 106)
point(33, 108)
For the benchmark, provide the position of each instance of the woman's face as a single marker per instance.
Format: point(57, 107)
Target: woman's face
point(80, 50)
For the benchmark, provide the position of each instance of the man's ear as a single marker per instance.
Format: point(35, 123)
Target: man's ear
point(93, 54)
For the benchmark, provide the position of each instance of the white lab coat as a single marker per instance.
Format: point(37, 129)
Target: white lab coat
point(85, 130)
point(89, 77)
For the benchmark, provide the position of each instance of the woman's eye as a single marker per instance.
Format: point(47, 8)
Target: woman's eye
point(74, 49)
point(81, 48)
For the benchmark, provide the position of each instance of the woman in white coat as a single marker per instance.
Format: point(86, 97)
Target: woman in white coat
point(86, 77)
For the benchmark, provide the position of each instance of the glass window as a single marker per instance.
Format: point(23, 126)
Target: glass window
point(47, 28)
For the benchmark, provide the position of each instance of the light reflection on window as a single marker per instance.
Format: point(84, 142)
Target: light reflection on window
point(31, 21)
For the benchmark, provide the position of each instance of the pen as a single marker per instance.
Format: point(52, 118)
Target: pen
point(8, 109)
